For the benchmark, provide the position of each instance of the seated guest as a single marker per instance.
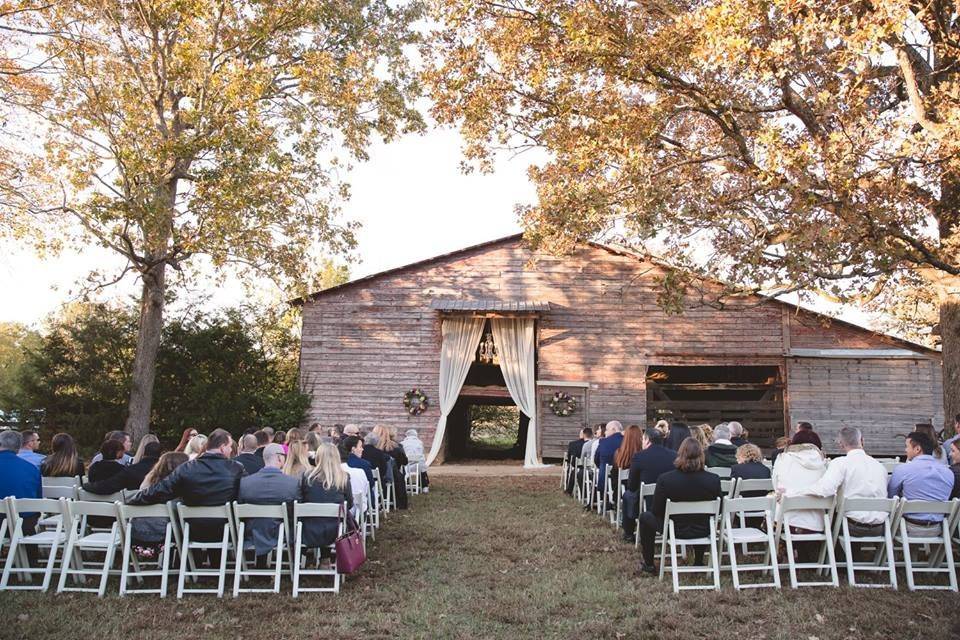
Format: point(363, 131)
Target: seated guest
point(574, 451)
point(677, 434)
point(19, 479)
point(188, 433)
point(799, 466)
point(413, 447)
point(778, 446)
point(294, 435)
point(358, 484)
point(590, 447)
point(63, 461)
point(353, 447)
point(141, 448)
point(955, 467)
point(148, 534)
point(722, 453)
point(210, 479)
point(298, 459)
point(391, 448)
point(327, 482)
point(939, 452)
point(373, 455)
point(689, 482)
point(699, 433)
point(28, 450)
point(130, 477)
point(750, 467)
point(313, 439)
point(859, 476)
point(109, 464)
point(607, 449)
point(948, 443)
point(646, 467)
point(263, 439)
point(124, 438)
point(196, 446)
point(351, 430)
point(334, 434)
point(248, 457)
point(806, 435)
point(923, 477)
point(631, 445)
point(280, 438)
point(268, 485)
point(738, 435)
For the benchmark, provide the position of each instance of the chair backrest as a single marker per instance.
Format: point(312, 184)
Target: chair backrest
point(128, 493)
point(87, 496)
point(78, 508)
point(889, 464)
point(754, 484)
point(242, 511)
point(17, 506)
point(647, 489)
point(73, 481)
point(59, 491)
point(886, 505)
point(700, 507)
point(767, 463)
point(217, 512)
point(623, 475)
point(806, 503)
point(727, 485)
point(926, 506)
point(129, 512)
point(318, 509)
point(750, 505)
point(723, 472)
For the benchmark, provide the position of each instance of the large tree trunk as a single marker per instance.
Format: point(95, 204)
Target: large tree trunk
point(950, 333)
point(148, 342)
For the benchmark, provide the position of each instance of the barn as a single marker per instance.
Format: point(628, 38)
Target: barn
point(497, 325)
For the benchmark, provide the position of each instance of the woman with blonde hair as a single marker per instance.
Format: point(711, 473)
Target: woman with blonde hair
point(144, 441)
point(699, 434)
point(750, 467)
point(400, 461)
point(148, 534)
point(326, 482)
point(188, 434)
point(196, 446)
point(298, 459)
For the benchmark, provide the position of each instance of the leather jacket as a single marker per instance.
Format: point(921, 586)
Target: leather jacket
point(209, 480)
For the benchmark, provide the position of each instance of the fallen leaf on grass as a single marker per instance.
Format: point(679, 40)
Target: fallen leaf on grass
point(819, 618)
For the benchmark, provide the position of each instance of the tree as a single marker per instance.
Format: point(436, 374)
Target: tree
point(16, 341)
point(781, 146)
point(205, 134)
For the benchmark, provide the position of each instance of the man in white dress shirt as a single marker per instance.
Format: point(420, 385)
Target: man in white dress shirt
point(859, 475)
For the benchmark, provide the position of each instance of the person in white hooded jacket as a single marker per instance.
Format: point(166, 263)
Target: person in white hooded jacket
point(413, 447)
point(797, 468)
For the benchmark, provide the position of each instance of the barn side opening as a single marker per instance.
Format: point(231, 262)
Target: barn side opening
point(751, 395)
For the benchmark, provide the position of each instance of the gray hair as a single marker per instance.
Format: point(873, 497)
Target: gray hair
point(614, 426)
point(10, 440)
point(248, 442)
point(850, 437)
point(271, 453)
point(736, 429)
point(371, 439)
point(721, 432)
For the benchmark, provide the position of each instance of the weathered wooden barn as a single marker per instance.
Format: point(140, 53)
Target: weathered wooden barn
point(602, 338)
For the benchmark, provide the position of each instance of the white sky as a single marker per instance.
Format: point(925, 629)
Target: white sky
point(412, 201)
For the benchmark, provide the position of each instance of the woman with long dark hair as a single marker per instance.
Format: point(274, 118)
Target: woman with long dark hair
point(63, 462)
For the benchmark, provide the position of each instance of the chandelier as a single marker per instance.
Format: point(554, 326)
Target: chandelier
point(487, 353)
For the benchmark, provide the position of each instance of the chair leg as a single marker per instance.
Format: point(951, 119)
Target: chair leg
point(948, 552)
point(907, 559)
point(848, 553)
point(791, 562)
point(673, 561)
point(107, 564)
point(297, 551)
point(225, 551)
point(184, 560)
point(241, 564)
point(888, 544)
point(69, 555)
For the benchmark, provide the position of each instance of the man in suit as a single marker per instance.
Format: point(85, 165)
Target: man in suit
point(263, 439)
point(248, 457)
point(574, 451)
point(646, 467)
point(607, 449)
point(130, 477)
point(269, 485)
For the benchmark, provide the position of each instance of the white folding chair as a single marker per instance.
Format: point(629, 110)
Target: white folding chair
point(314, 510)
point(243, 512)
point(564, 470)
point(17, 562)
point(913, 566)
point(730, 537)
point(188, 544)
point(70, 481)
point(889, 464)
point(825, 537)
point(133, 567)
point(708, 508)
point(377, 490)
point(767, 463)
point(87, 496)
point(622, 476)
point(746, 486)
point(728, 486)
point(883, 543)
point(81, 545)
point(55, 492)
point(646, 490)
point(412, 478)
point(723, 472)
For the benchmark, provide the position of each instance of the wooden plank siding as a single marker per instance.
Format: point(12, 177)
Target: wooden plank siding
point(365, 344)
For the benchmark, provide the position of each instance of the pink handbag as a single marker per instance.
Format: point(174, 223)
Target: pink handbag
point(349, 547)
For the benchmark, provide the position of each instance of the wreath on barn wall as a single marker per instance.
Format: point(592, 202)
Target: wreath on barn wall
point(415, 402)
point(563, 404)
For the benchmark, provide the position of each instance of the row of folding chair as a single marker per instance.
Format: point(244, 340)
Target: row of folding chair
point(77, 529)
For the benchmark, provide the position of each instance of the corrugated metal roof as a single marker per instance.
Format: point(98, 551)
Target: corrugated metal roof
point(488, 304)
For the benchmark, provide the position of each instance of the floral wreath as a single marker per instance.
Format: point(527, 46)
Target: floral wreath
point(415, 402)
point(563, 404)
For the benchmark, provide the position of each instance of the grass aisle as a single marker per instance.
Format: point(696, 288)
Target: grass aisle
point(493, 558)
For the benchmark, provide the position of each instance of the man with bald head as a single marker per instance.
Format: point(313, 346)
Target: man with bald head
point(248, 454)
point(607, 449)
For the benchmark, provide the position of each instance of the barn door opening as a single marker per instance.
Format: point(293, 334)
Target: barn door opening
point(751, 395)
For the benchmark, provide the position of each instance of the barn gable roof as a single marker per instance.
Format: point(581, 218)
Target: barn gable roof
point(612, 249)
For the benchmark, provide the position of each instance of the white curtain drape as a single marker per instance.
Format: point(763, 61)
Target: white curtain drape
point(514, 338)
point(461, 335)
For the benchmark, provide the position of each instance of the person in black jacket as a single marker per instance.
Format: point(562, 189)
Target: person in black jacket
point(211, 479)
point(109, 465)
point(688, 483)
point(248, 457)
point(678, 433)
point(646, 467)
point(750, 467)
point(373, 455)
point(574, 451)
point(327, 482)
point(129, 477)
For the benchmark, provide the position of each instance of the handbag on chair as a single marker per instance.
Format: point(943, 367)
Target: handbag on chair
point(349, 547)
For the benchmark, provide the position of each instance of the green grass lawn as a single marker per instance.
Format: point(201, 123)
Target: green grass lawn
point(494, 558)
